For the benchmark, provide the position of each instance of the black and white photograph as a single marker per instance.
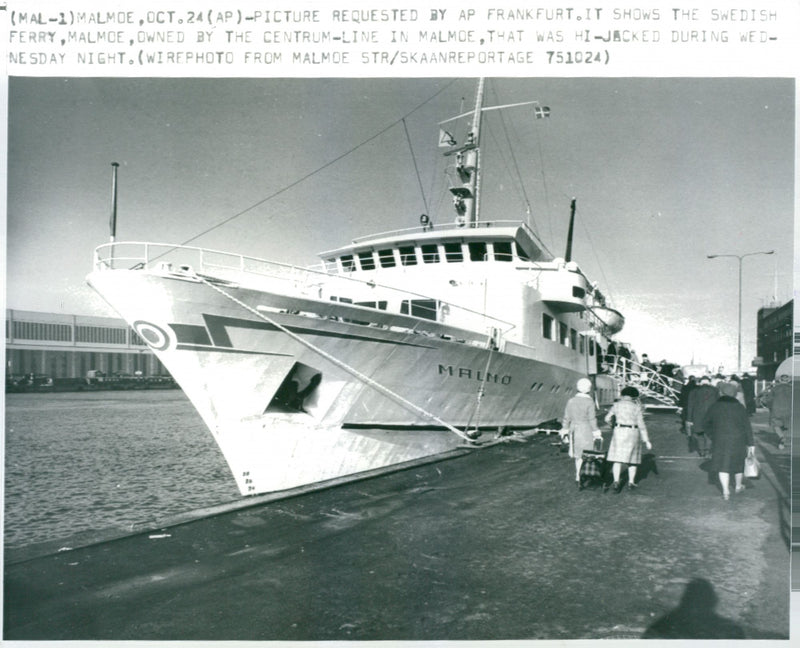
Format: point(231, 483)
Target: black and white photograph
point(422, 357)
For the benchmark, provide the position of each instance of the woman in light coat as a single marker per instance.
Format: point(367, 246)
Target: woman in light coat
point(628, 434)
point(580, 423)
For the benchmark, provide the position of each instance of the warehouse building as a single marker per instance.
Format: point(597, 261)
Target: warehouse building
point(775, 337)
point(70, 346)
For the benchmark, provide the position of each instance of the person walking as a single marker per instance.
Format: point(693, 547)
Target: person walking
point(683, 401)
point(580, 424)
point(700, 399)
point(749, 389)
point(779, 401)
point(736, 382)
point(628, 434)
point(728, 425)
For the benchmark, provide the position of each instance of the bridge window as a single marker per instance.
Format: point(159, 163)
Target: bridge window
point(548, 327)
point(578, 292)
point(477, 251)
point(408, 255)
point(430, 253)
point(348, 265)
point(387, 258)
point(502, 251)
point(380, 305)
point(562, 334)
point(366, 260)
point(424, 308)
point(582, 344)
point(573, 338)
point(453, 252)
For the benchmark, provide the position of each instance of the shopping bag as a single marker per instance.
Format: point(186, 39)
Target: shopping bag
point(751, 467)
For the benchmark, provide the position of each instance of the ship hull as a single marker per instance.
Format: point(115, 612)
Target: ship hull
point(294, 399)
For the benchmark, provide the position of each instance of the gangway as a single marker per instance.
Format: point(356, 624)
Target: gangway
point(656, 391)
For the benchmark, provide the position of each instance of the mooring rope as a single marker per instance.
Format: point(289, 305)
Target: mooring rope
point(482, 388)
point(339, 363)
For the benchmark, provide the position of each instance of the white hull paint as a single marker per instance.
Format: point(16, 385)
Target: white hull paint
point(230, 363)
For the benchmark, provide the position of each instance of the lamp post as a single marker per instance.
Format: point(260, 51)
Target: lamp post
point(739, 258)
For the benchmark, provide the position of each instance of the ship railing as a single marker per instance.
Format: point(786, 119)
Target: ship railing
point(434, 228)
point(282, 278)
point(650, 382)
point(142, 255)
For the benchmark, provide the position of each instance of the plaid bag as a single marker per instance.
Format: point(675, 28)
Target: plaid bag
point(593, 461)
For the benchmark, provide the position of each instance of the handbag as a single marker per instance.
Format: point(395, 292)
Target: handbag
point(564, 444)
point(694, 446)
point(751, 467)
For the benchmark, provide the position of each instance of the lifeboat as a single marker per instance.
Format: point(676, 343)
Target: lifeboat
point(610, 318)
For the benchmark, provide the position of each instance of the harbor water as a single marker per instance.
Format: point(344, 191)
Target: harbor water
point(87, 461)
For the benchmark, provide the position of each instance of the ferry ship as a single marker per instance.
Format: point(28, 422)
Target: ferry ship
point(398, 346)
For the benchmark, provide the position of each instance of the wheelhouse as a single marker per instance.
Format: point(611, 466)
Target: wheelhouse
point(483, 242)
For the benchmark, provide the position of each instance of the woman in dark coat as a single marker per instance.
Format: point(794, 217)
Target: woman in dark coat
point(728, 427)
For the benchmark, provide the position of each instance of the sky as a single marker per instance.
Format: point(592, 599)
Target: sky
point(665, 171)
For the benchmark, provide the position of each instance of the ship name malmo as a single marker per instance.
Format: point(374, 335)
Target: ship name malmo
point(477, 374)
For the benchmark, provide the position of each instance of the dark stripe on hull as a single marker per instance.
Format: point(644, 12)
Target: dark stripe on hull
point(210, 349)
point(215, 331)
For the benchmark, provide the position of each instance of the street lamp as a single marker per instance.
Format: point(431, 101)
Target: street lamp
point(739, 257)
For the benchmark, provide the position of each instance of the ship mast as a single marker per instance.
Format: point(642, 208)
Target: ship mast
point(112, 223)
point(465, 196)
point(568, 254)
point(471, 160)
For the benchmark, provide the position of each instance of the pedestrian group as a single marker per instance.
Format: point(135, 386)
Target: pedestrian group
point(715, 416)
point(629, 432)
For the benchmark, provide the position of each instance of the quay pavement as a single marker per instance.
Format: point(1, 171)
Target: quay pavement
point(496, 544)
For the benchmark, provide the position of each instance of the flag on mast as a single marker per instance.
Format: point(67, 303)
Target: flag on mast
point(446, 138)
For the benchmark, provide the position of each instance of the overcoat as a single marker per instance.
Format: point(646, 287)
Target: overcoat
point(700, 399)
point(779, 401)
point(728, 426)
point(629, 431)
point(580, 419)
